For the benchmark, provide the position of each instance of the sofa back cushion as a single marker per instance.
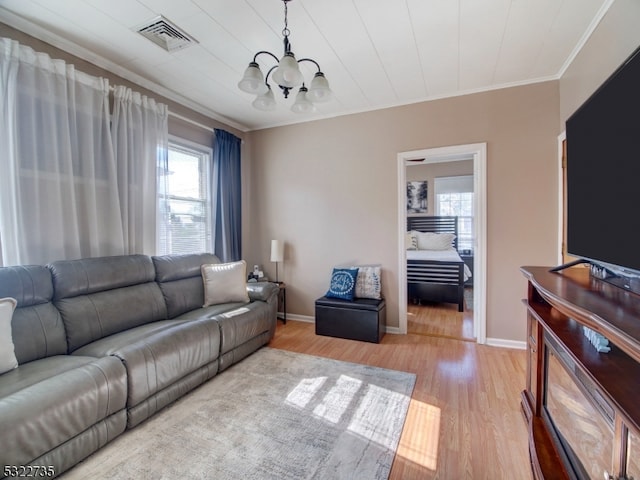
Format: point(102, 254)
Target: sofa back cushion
point(98, 297)
point(36, 326)
point(180, 280)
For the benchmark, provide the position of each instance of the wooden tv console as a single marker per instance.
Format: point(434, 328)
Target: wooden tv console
point(582, 407)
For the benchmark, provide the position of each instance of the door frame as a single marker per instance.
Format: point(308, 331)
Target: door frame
point(478, 153)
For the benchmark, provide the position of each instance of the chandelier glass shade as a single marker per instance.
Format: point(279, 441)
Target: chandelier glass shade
point(285, 74)
point(265, 101)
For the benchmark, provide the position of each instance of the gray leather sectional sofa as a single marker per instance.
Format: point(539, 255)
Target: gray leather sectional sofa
point(104, 343)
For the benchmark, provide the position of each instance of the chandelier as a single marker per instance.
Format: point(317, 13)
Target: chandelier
point(287, 75)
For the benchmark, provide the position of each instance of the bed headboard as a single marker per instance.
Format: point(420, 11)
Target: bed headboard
point(445, 224)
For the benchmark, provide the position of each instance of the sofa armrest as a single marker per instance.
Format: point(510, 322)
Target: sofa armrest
point(262, 291)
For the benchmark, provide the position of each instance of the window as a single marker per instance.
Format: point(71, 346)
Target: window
point(185, 200)
point(454, 196)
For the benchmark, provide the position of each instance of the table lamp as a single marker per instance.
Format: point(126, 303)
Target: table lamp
point(277, 254)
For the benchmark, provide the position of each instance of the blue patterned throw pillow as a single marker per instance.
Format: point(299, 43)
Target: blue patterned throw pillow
point(343, 283)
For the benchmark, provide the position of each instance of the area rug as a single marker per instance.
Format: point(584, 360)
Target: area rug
point(274, 415)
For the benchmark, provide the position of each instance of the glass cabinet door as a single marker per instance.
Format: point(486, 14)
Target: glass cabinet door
point(586, 435)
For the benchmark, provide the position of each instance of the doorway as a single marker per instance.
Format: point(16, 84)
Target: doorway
point(477, 154)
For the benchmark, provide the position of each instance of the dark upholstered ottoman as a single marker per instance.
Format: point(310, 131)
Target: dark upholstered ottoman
point(361, 319)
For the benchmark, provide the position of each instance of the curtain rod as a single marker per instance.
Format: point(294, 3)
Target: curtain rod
point(192, 122)
point(112, 89)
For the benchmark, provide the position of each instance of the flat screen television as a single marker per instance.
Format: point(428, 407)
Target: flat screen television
point(603, 174)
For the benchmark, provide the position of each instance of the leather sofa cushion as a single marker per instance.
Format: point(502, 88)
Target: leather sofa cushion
point(72, 278)
point(175, 267)
point(100, 296)
point(209, 312)
point(264, 291)
point(48, 402)
point(108, 345)
point(242, 324)
point(239, 322)
point(34, 372)
point(29, 285)
point(183, 295)
point(157, 355)
point(90, 317)
point(180, 280)
point(36, 327)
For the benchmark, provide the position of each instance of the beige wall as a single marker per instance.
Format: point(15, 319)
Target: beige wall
point(329, 189)
point(431, 171)
point(616, 37)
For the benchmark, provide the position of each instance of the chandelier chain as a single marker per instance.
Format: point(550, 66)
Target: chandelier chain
point(285, 30)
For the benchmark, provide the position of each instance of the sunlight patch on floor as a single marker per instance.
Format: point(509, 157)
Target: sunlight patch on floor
point(422, 447)
point(305, 391)
point(337, 400)
point(382, 403)
point(373, 418)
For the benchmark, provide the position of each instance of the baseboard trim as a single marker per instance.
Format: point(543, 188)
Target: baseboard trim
point(492, 342)
point(309, 319)
point(501, 342)
point(299, 318)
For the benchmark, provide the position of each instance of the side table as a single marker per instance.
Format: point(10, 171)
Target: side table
point(468, 259)
point(282, 293)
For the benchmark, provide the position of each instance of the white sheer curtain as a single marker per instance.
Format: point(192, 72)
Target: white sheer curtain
point(58, 179)
point(140, 140)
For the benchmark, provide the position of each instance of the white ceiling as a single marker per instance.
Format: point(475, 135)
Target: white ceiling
point(375, 53)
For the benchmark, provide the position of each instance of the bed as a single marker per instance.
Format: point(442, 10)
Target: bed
point(436, 275)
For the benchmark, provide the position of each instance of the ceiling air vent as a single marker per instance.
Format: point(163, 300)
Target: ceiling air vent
point(165, 34)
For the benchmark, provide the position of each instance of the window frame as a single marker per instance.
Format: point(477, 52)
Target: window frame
point(466, 241)
point(205, 155)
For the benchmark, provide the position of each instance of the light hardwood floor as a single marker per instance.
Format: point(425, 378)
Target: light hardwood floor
point(440, 320)
point(464, 419)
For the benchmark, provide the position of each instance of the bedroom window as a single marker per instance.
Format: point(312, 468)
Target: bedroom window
point(454, 196)
point(184, 221)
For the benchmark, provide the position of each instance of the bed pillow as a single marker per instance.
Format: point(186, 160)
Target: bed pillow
point(225, 282)
point(434, 241)
point(410, 241)
point(343, 283)
point(368, 284)
point(7, 353)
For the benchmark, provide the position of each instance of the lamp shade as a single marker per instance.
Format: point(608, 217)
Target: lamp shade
point(319, 90)
point(277, 251)
point(253, 80)
point(302, 103)
point(288, 74)
point(266, 101)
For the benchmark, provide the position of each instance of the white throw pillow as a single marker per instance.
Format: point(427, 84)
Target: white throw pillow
point(368, 282)
point(434, 241)
point(7, 353)
point(410, 241)
point(225, 282)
